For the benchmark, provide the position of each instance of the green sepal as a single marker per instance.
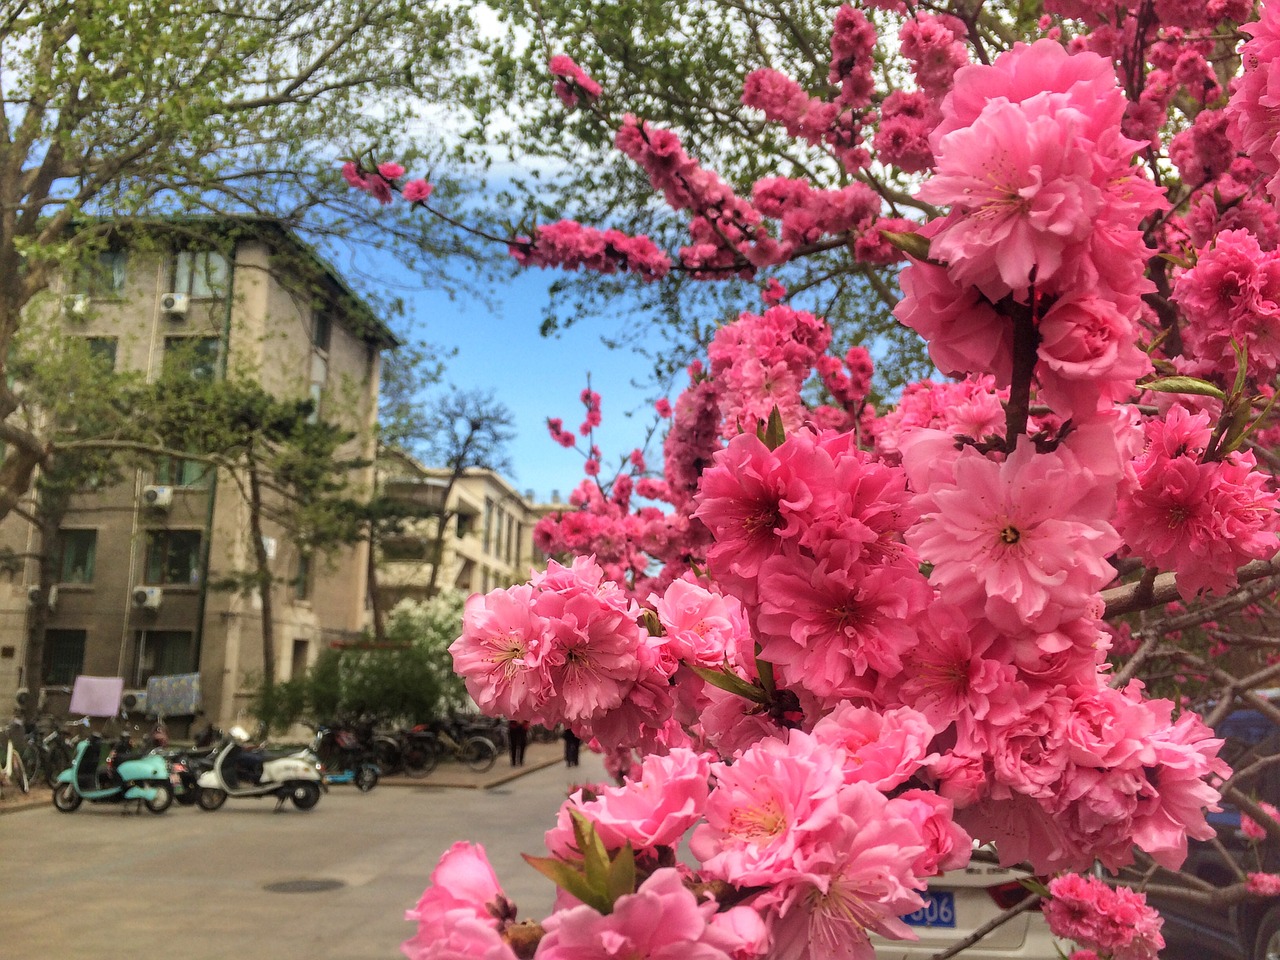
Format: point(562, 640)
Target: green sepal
point(649, 620)
point(730, 682)
point(911, 244)
point(1183, 384)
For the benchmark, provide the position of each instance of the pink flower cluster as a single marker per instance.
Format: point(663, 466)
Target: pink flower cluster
point(761, 362)
point(1039, 178)
point(1255, 104)
point(1114, 921)
point(723, 225)
point(569, 245)
point(1199, 519)
point(571, 81)
point(563, 649)
point(1231, 298)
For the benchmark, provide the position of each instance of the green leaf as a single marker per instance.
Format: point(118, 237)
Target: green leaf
point(622, 875)
point(1035, 886)
point(765, 669)
point(571, 880)
point(1191, 385)
point(911, 244)
point(773, 434)
point(1242, 363)
point(595, 856)
point(726, 680)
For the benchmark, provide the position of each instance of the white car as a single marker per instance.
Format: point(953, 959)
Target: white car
point(961, 901)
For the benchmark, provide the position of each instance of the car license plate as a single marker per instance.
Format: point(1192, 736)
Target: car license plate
point(939, 910)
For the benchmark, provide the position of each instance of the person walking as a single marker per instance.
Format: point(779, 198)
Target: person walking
point(572, 743)
point(518, 737)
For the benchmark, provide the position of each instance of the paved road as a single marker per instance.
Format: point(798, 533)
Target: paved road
point(98, 885)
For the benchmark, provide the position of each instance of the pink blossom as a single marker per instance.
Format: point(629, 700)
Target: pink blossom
point(569, 245)
point(1255, 103)
point(884, 749)
point(963, 330)
point(650, 811)
point(858, 881)
point(500, 652)
point(1024, 542)
point(1264, 884)
point(1200, 520)
point(702, 627)
point(773, 802)
point(1254, 830)
point(947, 845)
point(1111, 920)
point(416, 191)
point(1088, 356)
point(571, 80)
point(459, 912)
point(662, 920)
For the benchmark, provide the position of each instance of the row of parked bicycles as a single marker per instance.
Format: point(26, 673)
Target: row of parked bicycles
point(79, 765)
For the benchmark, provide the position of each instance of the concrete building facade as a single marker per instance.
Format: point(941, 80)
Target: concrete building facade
point(488, 539)
point(135, 561)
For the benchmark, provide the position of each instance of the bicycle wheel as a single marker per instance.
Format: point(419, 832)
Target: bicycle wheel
point(420, 758)
point(18, 772)
point(389, 754)
point(31, 761)
point(478, 753)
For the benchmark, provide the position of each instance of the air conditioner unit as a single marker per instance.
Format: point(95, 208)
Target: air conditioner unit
point(148, 598)
point(76, 306)
point(175, 305)
point(157, 496)
point(135, 701)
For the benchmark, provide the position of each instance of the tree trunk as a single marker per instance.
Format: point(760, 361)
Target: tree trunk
point(375, 602)
point(442, 525)
point(262, 565)
point(38, 613)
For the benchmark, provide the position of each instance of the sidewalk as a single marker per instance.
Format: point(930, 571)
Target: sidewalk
point(453, 776)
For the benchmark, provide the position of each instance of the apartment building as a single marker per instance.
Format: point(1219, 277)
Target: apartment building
point(488, 539)
point(135, 562)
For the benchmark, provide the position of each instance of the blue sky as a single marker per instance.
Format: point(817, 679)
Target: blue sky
point(538, 377)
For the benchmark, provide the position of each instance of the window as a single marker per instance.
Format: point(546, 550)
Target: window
point(322, 329)
point(174, 472)
point(301, 655)
point(76, 548)
point(102, 276)
point(173, 557)
point(102, 351)
point(466, 523)
point(63, 657)
point(302, 579)
point(200, 273)
point(319, 377)
point(161, 653)
point(195, 356)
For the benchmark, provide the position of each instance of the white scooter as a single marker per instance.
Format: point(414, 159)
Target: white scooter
point(242, 773)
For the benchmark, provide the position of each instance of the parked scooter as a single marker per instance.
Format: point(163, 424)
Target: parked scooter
point(342, 758)
point(102, 774)
point(241, 773)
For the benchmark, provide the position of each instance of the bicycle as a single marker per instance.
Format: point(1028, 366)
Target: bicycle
point(14, 770)
point(423, 749)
